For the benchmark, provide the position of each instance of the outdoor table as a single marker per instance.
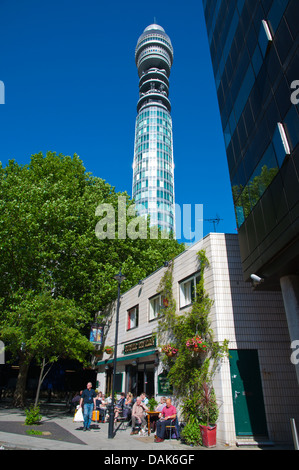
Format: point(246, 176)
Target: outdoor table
point(149, 414)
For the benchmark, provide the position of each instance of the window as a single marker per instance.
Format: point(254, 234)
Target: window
point(154, 307)
point(132, 318)
point(188, 290)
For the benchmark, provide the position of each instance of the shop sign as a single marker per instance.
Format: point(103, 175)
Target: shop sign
point(140, 345)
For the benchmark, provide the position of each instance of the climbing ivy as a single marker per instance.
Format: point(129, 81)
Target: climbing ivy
point(190, 373)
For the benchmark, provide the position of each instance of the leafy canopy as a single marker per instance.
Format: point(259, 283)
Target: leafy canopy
point(54, 270)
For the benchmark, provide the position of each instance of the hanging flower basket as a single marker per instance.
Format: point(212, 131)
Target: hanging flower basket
point(197, 344)
point(171, 354)
point(169, 350)
point(108, 349)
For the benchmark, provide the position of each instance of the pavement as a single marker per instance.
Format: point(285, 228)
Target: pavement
point(57, 431)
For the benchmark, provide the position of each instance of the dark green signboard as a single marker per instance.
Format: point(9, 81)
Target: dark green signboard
point(164, 387)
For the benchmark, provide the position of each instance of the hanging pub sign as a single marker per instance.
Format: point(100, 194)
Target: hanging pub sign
point(96, 334)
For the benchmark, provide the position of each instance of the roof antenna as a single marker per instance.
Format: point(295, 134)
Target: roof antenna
point(215, 221)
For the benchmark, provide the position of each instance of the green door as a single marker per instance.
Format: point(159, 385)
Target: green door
point(248, 401)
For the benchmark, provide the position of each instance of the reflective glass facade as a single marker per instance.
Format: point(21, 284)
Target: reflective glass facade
point(255, 57)
point(153, 169)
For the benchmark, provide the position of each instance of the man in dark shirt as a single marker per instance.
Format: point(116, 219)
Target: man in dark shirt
point(88, 398)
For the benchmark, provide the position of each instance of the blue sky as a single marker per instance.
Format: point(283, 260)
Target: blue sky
point(71, 86)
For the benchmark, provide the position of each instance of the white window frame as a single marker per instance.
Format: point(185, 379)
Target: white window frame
point(157, 301)
point(187, 289)
point(131, 325)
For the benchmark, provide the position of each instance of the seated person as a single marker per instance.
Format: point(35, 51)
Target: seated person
point(119, 405)
point(144, 398)
point(168, 415)
point(98, 403)
point(161, 404)
point(154, 419)
point(108, 406)
point(127, 410)
point(103, 408)
point(138, 415)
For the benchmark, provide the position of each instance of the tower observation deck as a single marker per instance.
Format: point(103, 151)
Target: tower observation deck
point(153, 168)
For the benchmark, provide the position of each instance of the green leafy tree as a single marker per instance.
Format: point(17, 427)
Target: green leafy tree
point(45, 328)
point(48, 246)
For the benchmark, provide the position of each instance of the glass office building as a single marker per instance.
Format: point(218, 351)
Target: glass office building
point(255, 57)
point(153, 168)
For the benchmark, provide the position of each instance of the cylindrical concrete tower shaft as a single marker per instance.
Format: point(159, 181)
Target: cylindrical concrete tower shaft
point(153, 168)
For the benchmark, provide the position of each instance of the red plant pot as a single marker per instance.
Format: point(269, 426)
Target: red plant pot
point(208, 434)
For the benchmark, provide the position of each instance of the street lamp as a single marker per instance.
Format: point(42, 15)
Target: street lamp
point(119, 277)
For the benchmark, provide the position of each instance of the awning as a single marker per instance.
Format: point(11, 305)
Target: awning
point(130, 357)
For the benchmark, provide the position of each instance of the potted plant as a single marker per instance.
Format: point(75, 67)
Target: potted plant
point(152, 404)
point(170, 350)
point(208, 412)
point(191, 434)
point(108, 349)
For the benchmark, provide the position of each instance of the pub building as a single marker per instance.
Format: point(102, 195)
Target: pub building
point(250, 382)
point(137, 369)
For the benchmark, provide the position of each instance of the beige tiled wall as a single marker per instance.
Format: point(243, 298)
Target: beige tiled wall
point(251, 320)
point(247, 318)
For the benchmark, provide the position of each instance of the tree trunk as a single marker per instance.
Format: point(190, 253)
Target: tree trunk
point(41, 379)
point(19, 395)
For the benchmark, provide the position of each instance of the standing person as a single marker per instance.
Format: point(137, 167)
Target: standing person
point(167, 415)
point(88, 398)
